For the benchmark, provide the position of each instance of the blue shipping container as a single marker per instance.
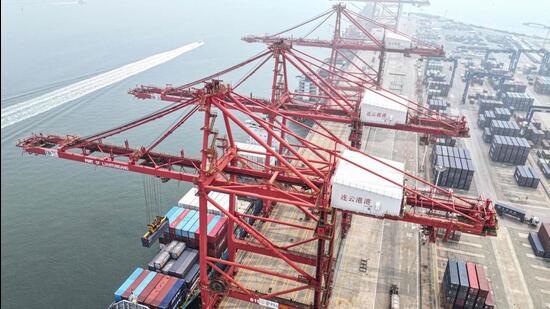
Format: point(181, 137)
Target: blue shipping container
point(127, 283)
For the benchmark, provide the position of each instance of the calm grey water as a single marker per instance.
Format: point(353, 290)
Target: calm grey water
point(70, 232)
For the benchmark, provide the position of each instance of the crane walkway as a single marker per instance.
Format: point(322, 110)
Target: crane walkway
point(282, 236)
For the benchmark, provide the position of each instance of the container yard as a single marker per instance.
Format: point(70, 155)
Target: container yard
point(350, 155)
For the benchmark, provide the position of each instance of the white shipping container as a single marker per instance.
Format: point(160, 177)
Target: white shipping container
point(262, 134)
point(357, 190)
point(191, 201)
point(378, 109)
point(397, 41)
point(254, 157)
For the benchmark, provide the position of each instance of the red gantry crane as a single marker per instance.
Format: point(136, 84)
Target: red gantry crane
point(388, 12)
point(389, 41)
point(339, 106)
point(299, 270)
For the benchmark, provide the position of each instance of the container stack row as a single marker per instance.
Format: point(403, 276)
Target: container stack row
point(437, 104)
point(544, 167)
point(184, 226)
point(457, 167)
point(506, 128)
point(534, 134)
point(526, 176)
point(489, 104)
point(540, 241)
point(176, 261)
point(542, 85)
point(442, 87)
point(487, 135)
point(486, 118)
point(513, 86)
point(508, 149)
point(517, 101)
point(502, 113)
point(152, 289)
point(465, 285)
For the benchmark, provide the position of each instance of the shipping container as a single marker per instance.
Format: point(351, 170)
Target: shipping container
point(489, 302)
point(147, 291)
point(133, 276)
point(380, 106)
point(182, 265)
point(526, 176)
point(489, 105)
point(192, 274)
point(160, 260)
point(544, 235)
point(536, 244)
point(167, 266)
point(503, 209)
point(483, 287)
point(173, 296)
point(151, 299)
point(358, 190)
point(507, 149)
point(253, 155)
point(517, 101)
point(451, 283)
point(458, 168)
point(191, 201)
point(474, 286)
point(396, 41)
point(464, 285)
point(542, 85)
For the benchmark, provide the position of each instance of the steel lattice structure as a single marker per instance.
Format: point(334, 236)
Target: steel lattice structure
point(299, 178)
point(340, 43)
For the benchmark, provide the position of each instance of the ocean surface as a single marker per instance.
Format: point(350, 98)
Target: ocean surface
point(70, 232)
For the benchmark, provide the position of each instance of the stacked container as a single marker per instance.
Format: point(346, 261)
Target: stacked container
point(508, 149)
point(487, 135)
point(544, 167)
point(517, 101)
point(437, 104)
point(526, 177)
point(442, 87)
point(152, 289)
point(482, 121)
point(184, 227)
point(513, 86)
point(191, 201)
point(465, 285)
point(534, 134)
point(506, 128)
point(540, 242)
point(502, 113)
point(542, 85)
point(489, 104)
point(458, 167)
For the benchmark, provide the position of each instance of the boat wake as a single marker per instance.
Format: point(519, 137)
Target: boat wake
point(36, 106)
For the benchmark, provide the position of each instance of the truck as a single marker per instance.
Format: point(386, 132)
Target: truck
point(517, 213)
point(394, 297)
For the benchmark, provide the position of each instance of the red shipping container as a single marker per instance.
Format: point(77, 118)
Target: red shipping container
point(143, 295)
point(483, 284)
point(156, 290)
point(135, 284)
point(490, 302)
point(218, 230)
point(194, 243)
point(162, 293)
point(544, 235)
point(174, 224)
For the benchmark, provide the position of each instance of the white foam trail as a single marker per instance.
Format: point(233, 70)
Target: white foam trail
point(30, 108)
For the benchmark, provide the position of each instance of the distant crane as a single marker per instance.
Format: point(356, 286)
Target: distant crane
point(388, 12)
point(339, 43)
